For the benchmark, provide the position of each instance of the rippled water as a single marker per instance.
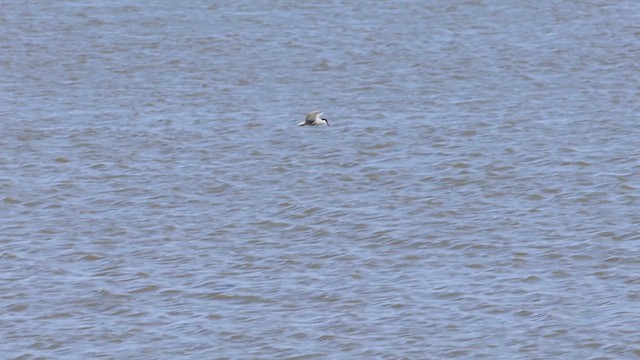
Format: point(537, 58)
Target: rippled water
point(475, 197)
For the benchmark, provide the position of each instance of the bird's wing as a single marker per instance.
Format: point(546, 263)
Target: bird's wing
point(312, 116)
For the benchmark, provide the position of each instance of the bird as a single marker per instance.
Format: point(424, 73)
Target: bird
point(313, 118)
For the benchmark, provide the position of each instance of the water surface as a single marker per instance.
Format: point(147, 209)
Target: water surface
point(475, 197)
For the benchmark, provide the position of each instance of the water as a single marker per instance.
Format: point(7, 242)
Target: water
point(475, 197)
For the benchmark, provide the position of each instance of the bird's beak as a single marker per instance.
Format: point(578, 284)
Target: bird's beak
point(327, 122)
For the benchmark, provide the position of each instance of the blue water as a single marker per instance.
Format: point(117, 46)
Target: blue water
point(475, 197)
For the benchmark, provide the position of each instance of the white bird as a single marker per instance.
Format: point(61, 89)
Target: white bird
point(313, 118)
